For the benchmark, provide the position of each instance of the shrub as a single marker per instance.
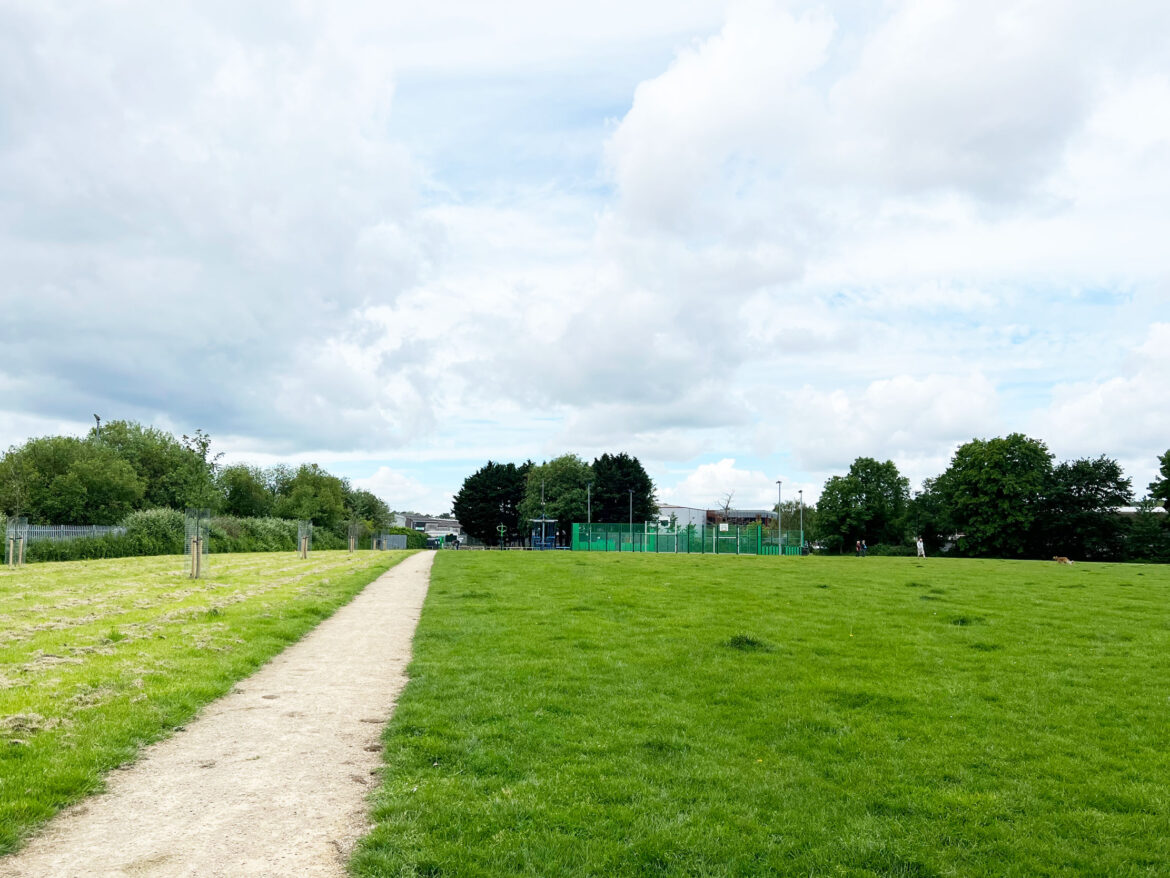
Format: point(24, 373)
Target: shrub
point(893, 549)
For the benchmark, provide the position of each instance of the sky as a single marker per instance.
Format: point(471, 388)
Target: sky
point(743, 241)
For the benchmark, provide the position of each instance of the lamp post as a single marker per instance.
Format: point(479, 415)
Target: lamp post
point(779, 519)
point(589, 504)
point(99, 426)
point(801, 493)
point(632, 520)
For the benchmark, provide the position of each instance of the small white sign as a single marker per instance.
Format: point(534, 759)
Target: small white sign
point(723, 527)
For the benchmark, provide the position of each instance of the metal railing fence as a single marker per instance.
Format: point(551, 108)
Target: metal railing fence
point(61, 532)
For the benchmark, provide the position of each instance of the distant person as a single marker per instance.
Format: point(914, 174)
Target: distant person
point(858, 549)
point(864, 549)
point(921, 549)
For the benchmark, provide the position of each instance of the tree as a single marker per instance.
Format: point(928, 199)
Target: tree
point(370, 509)
point(314, 494)
point(564, 480)
point(1160, 487)
point(995, 491)
point(930, 517)
point(1080, 511)
point(868, 503)
point(613, 477)
point(63, 480)
point(245, 490)
point(173, 474)
point(491, 496)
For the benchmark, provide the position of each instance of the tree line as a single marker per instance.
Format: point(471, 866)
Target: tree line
point(564, 488)
point(1004, 498)
point(127, 467)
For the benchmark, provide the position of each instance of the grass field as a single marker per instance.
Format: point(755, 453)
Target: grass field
point(641, 715)
point(99, 658)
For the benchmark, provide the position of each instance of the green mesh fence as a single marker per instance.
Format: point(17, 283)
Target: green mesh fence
point(694, 539)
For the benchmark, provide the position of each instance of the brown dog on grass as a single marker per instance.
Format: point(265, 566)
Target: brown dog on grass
point(1060, 559)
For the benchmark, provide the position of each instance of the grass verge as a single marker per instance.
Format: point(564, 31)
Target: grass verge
point(100, 658)
point(641, 715)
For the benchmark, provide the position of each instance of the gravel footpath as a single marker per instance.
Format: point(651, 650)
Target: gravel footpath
point(272, 779)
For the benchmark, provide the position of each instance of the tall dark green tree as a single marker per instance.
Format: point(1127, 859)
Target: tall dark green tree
point(995, 492)
point(565, 480)
point(1080, 517)
point(868, 503)
point(1160, 487)
point(489, 497)
point(614, 476)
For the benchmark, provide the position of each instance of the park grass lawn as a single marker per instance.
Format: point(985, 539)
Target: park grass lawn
point(99, 658)
point(604, 714)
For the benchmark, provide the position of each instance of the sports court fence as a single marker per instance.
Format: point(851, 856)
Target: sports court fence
point(692, 539)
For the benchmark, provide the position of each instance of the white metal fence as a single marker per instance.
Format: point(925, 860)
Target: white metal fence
point(61, 532)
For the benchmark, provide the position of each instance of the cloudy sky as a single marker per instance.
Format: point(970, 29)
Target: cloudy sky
point(743, 241)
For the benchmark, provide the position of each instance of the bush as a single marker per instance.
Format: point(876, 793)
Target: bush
point(155, 532)
point(893, 550)
point(415, 539)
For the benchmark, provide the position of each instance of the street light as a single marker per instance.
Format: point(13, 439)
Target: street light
point(589, 504)
point(632, 520)
point(779, 519)
point(801, 493)
point(99, 425)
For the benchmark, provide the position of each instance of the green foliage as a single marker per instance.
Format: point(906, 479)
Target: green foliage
point(489, 497)
point(246, 491)
point(995, 491)
point(57, 479)
point(1080, 512)
point(414, 539)
point(312, 493)
point(173, 474)
point(564, 484)
point(613, 477)
point(869, 503)
point(1160, 487)
point(370, 509)
point(1147, 535)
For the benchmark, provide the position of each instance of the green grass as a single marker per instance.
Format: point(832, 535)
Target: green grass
point(641, 715)
point(99, 658)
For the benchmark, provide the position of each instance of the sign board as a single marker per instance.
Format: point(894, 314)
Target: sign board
point(723, 527)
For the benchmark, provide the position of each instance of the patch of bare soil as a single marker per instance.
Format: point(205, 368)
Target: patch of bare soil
point(270, 780)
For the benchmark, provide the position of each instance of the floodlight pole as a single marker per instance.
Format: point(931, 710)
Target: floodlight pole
point(632, 520)
point(801, 493)
point(589, 503)
point(779, 519)
point(98, 419)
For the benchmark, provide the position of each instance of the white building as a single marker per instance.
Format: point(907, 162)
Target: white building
point(683, 515)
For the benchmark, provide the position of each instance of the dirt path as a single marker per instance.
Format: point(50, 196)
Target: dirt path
point(269, 780)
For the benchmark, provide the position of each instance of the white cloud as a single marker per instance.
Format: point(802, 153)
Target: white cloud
point(403, 491)
point(1123, 414)
point(903, 417)
point(856, 230)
